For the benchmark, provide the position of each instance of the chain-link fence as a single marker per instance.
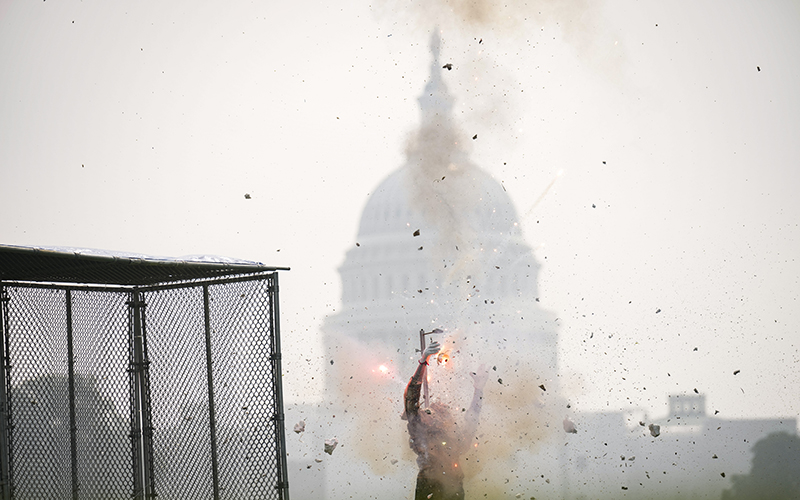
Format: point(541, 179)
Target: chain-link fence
point(117, 392)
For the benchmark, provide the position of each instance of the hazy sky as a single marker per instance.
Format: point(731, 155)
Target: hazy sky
point(140, 126)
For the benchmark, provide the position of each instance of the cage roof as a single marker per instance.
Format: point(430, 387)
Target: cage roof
point(81, 265)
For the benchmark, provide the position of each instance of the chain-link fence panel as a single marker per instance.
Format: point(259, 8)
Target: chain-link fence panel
point(52, 405)
point(102, 395)
point(39, 393)
point(241, 343)
point(163, 391)
point(176, 348)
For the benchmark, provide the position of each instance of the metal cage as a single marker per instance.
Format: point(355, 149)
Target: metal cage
point(139, 378)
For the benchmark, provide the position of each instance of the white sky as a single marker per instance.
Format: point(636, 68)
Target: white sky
point(140, 127)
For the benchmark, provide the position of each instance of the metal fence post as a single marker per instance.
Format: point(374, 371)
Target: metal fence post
point(212, 419)
point(71, 381)
point(140, 425)
point(283, 478)
point(5, 408)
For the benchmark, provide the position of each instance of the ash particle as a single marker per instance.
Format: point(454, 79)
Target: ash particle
point(655, 430)
point(448, 66)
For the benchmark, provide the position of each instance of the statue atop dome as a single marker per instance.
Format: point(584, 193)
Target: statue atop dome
point(435, 99)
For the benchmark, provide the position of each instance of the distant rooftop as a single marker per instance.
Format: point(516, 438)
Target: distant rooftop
point(90, 266)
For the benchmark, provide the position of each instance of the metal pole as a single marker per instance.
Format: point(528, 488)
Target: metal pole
point(280, 431)
point(142, 440)
point(147, 421)
point(211, 411)
point(5, 456)
point(136, 415)
point(73, 441)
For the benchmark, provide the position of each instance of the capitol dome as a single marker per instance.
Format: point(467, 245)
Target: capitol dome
point(435, 232)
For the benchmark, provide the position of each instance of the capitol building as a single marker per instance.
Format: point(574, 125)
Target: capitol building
point(440, 247)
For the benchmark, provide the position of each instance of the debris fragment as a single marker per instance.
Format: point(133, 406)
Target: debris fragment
point(500, 380)
point(758, 68)
point(393, 461)
point(655, 430)
point(695, 390)
point(448, 67)
point(247, 196)
point(694, 349)
point(542, 387)
point(300, 426)
point(420, 248)
point(318, 460)
point(416, 233)
point(474, 137)
point(658, 311)
point(736, 372)
point(331, 361)
point(722, 474)
point(624, 487)
point(641, 423)
point(714, 456)
point(330, 445)
point(569, 426)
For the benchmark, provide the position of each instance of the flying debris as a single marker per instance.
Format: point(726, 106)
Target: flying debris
point(655, 430)
point(758, 68)
point(542, 387)
point(500, 380)
point(330, 445)
point(318, 460)
point(569, 426)
point(658, 311)
point(416, 233)
point(695, 391)
point(300, 426)
point(393, 461)
point(474, 137)
point(247, 196)
point(448, 66)
point(736, 372)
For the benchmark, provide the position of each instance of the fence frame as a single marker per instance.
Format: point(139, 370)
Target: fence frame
point(23, 267)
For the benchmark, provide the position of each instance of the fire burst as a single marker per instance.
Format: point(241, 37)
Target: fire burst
point(443, 358)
